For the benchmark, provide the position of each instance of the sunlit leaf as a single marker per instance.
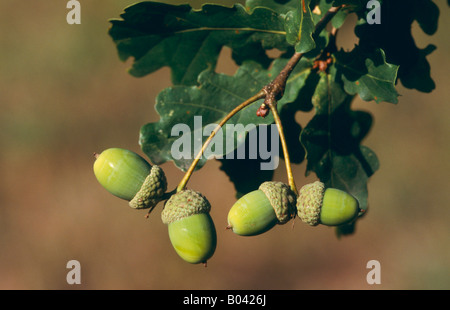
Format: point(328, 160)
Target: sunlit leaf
point(300, 27)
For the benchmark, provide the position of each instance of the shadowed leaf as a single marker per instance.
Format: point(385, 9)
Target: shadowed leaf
point(368, 75)
point(190, 109)
point(332, 140)
point(246, 173)
point(188, 40)
point(393, 35)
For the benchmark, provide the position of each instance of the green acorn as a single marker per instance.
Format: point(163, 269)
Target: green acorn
point(191, 228)
point(260, 210)
point(328, 206)
point(128, 176)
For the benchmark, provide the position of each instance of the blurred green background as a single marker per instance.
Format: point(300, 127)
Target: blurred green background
point(64, 94)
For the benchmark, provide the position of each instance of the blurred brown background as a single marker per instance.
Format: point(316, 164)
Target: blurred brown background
point(64, 94)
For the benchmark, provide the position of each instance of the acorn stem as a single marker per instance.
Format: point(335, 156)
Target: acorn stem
point(184, 181)
point(276, 117)
point(167, 195)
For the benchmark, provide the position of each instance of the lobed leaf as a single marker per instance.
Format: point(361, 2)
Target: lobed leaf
point(393, 35)
point(320, 7)
point(188, 40)
point(280, 6)
point(368, 75)
point(299, 27)
point(214, 97)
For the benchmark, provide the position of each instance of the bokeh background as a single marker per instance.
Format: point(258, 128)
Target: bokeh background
point(64, 94)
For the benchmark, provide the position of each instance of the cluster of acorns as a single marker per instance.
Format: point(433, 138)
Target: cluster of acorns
point(192, 233)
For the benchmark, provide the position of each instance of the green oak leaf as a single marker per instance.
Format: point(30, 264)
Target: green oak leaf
point(196, 107)
point(300, 28)
point(188, 40)
point(332, 140)
point(328, 94)
point(368, 75)
point(394, 36)
point(280, 6)
point(320, 7)
point(338, 20)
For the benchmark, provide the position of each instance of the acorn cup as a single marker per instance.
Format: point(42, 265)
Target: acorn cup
point(191, 228)
point(128, 176)
point(260, 210)
point(327, 206)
